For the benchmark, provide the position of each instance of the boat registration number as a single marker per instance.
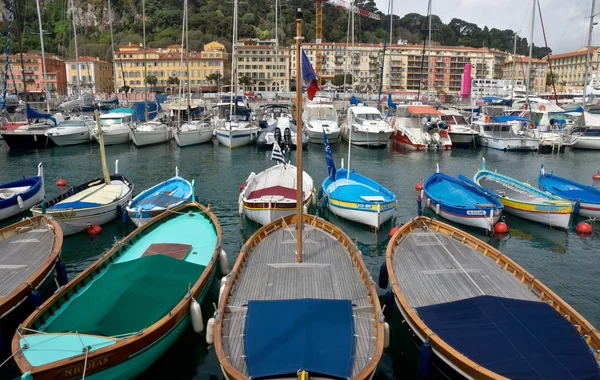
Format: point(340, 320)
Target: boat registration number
point(476, 212)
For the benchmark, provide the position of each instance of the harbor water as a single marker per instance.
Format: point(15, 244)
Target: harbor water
point(563, 260)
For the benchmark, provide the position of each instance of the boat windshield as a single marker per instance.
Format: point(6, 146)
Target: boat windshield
point(368, 116)
point(454, 120)
point(321, 113)
point(111, 121)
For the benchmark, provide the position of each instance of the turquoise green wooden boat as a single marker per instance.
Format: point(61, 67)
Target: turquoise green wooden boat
point(122, 313)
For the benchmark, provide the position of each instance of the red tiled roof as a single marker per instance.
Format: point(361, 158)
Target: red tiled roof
point(86, 58)
point(574, 53)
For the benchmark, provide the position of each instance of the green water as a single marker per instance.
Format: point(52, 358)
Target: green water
point(564, 261)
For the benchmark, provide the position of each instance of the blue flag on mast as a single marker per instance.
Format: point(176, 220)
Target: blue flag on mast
point(329, 158)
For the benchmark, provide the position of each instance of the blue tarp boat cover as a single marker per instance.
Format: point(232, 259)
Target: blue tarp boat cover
point(33, 114)
point(284, 336)
point(514, 338)
point(140, 113)
point(507, 118)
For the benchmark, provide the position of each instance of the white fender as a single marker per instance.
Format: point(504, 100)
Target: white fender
point(422, 194)
point(20, 201)
point(223, 263)
point(196, 317)
point(428, 202)
point(314, 196)
point(305, 209)
point(221, 290)
point(386, 335)
point(241, 204)
point(437, 209)
point(116, 166)
point(210, 331)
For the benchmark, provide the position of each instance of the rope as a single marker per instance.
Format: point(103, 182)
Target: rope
point(85, 363)
point(10, 357)
point(453, 258)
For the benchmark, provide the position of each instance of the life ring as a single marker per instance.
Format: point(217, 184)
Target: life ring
point(444, 134)
point(486, 118)
point(542, 107)
point(530, 125)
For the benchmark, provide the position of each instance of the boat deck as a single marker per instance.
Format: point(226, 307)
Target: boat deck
point(509, 191)
point(433, 268)
point(270, 273)
point(22, 255)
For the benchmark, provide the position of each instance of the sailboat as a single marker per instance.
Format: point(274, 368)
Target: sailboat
point(298, 306)
point(149, 132)
point(234, 126)
point(192, 131)
point(94, 202)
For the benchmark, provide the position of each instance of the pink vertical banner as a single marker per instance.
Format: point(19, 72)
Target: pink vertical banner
point(466, 82)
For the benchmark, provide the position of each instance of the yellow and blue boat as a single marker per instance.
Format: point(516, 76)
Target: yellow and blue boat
point(524, 200)
point(123, 312)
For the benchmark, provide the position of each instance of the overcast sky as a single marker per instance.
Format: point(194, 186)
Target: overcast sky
point(566, 21)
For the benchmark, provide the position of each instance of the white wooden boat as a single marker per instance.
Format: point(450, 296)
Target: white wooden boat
point(20, 195)
point(271, 194)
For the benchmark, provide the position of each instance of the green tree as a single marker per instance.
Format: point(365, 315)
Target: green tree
point(338, 80)
point(245, 82)
point(152, 80)
point(549, 78)
point(213, 78)
point(173, 80)
point(125, 89)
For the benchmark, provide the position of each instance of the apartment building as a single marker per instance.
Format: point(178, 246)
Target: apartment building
point(516, 68)
point(165, 63)
point(266, 64)
point(406, 66)
point(92, 76)
point(570, 67)
point(32, 76)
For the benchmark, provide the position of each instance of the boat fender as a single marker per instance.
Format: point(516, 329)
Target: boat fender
point(305, 209)
point(386, 335)
point(437, 209)
point(583, 228)
point(210, 331)
point(223, 263)
point(419, 186)
point(43, 207)
point(383, 276)
point(424, 364)
point(320, 193)
point(196, 316)
point(61, 183)
point(221, 290)
point(61, 273)
point(26, 376)
point(428, 202)
point(35, 298)
point(241, 204)
point(324, 202)
point(119, 211)
point(422, 193)
point(314, 197)
point(20, 201)
point(576, 207)
point(596, 176)
point(419, 206)
point(124, 216)
point(388, 304)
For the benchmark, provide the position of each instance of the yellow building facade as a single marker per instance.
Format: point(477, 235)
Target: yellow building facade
point(570, 67)
point(516, 68)
point(165, 63)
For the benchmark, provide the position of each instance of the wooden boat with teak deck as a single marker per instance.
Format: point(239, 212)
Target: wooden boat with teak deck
point(116, 318)
point(481, 314)
point(277, 316)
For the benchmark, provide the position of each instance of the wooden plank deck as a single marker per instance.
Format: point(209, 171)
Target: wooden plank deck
point(272, 274)
point(22, 255)
point(433, 268)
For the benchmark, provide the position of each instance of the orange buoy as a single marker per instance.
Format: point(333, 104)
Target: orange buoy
point(61, 182)
point(500, 228)
point(583, 228)
point(596, 176)
point(419, 186)
point(94, 229)
point(393, 231)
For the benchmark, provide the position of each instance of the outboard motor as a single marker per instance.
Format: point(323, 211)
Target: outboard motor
point(287, 138)
point(277, 135)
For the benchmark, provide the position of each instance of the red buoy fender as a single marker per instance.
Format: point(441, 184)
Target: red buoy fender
point(583, 228)
point(393, 231)
point(94, 229)
point(596, 176)
point(419, 186)
point(500, 228)
point(61, 182)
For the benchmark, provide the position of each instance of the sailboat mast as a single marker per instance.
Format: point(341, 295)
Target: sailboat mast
point(530, 51)
point(391, 44)
point(587, 57)
point(181, 60)
point(276, 51)
point(429, 53)
point(512, 80)
point(187, 59)
point(112, 46)
point(78, 76)
point(299, 171)
point(37, 3)
point(350, 122)
point(145, 66)
point(233, 64)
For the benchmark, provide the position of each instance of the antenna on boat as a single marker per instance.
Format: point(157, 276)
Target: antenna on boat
point(299, 172)
point(102, 153)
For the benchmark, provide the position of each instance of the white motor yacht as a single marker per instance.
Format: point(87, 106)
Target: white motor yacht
point(364, 126)
point(116, 128)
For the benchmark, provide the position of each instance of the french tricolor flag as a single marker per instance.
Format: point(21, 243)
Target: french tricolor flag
point(311, 81)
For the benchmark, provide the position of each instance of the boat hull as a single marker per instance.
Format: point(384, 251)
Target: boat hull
point(71, 139)
point(369, 218)
point(586, 142)
point(115, 138)
point(316, 137)
point(27, 141)
point(477, 221)
point(553, 219)
point(509, 144)
point(589, 210)
point(461, 138)
point(27, 204)
point(150, 137)
point(237, 138)
point(368, 139)
point(193, 137)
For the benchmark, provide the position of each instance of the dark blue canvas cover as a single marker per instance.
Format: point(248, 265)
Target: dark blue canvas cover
point(515, 338)
point(284, 336)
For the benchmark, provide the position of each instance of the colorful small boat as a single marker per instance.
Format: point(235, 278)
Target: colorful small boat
point(18, 196)
point(461, 201)
point(154, 201)
point(29, 251)
point(524, 200)
point(586, 199)
point(476, 314)
point(116, 318)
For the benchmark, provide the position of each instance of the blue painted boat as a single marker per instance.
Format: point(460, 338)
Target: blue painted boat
point(19, 196)
point(116, 318)
point(357, 198)
point(154, 201)
point(586, 199)
point(461, 201)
